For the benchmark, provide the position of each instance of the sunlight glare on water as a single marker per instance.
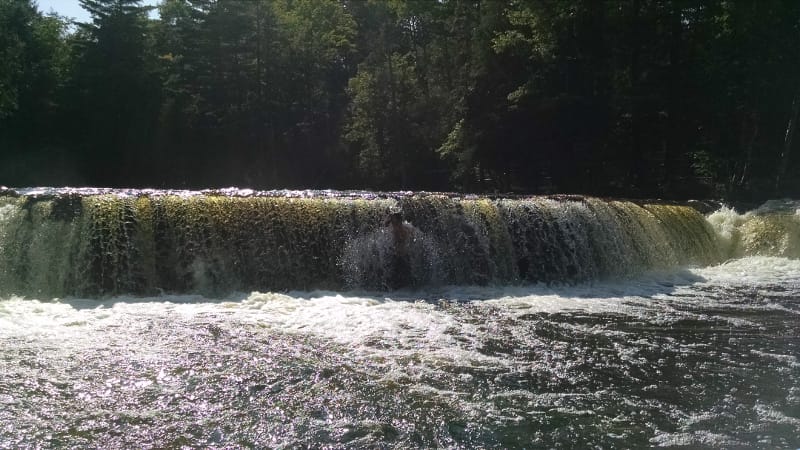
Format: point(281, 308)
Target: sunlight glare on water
point(696, 357)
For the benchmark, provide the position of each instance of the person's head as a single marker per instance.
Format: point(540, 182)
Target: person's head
point(394, 218)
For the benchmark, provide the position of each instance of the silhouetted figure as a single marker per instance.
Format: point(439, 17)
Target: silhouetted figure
point(401, 232)
point(399, 266)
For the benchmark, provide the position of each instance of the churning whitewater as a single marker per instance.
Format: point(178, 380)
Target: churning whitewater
point(240, 319)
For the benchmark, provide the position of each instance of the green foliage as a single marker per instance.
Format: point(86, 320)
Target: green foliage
point(34, 58)
point(114, 91)
point(34, 69)
point(670, 98)
point(15, 19)
point(385, 115)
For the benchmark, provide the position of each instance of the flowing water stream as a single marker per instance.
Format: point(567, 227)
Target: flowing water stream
point(143, 319)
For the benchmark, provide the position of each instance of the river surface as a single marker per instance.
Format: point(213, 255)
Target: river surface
point(693, 358)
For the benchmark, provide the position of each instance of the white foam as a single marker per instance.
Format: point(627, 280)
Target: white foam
point(770, 414)
point(350, 317)
point(773, 229)
point(399, 326)
point(714, 440)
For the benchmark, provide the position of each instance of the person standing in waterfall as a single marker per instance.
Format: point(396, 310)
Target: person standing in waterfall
point(399, 266)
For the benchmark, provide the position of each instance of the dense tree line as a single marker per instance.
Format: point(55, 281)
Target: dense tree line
point(636, 98)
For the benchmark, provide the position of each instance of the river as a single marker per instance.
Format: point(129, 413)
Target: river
point(686, 356)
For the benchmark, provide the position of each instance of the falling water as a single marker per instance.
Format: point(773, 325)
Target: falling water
point(240, 319)
point(144, 242)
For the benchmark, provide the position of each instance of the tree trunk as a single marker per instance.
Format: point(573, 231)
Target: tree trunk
point(750, 129)
point(783, 163)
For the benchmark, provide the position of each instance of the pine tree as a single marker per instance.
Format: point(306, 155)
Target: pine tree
point(116, 91)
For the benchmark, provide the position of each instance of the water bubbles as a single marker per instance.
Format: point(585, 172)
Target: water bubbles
point(378, 261)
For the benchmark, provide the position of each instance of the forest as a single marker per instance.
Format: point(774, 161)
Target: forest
point(666, 99)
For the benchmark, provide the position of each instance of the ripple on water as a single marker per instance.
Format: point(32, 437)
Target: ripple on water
point(694, 358)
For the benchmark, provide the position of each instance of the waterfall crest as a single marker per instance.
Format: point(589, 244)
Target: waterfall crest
point(80, 242)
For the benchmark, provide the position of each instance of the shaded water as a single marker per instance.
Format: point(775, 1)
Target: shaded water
point(671, 356)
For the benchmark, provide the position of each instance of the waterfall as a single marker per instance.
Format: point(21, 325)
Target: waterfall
point(60, 242)
point(773, 229)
